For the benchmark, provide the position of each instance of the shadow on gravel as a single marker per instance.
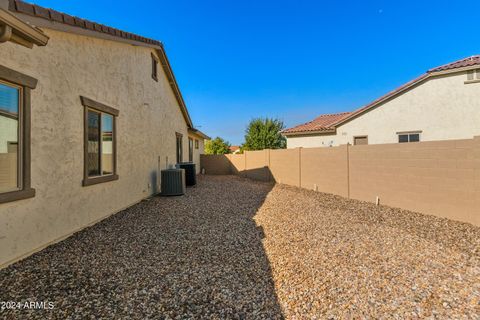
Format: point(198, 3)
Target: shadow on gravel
point(200, 255)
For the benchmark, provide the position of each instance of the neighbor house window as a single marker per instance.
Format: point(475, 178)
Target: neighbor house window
point(361, 140)
point(405, 137)
point(190, 149)
point(179, 147)
point(100, 142)
point(15, 135)
point(196, 144)
point(473, 75)
point(154, 68)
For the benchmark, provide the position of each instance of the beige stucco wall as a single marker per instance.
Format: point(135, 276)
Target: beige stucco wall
point(443, 108)
point(116, 74)
point(441, 178)
point(312, 141)
point(196, 152)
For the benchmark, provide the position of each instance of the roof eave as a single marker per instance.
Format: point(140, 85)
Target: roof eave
point(49, 24)
point(20, 32)
point(428, 75)
point(308, 133)
point(198, 133)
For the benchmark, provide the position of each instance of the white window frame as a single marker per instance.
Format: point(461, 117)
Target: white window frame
point(408, 134)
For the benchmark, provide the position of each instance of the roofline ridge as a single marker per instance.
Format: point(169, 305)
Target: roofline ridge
point(470, 58)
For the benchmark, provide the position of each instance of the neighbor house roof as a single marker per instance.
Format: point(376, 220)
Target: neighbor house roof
point(49, 18)
point(323, 123)
point(234, 148)
point(328, 122)
point(467, 62)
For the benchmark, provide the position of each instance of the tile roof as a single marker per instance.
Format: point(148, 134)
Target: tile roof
point(54, 16)
point(328, 122)
point(324, 122)
point(467, 62)
point(59, 17)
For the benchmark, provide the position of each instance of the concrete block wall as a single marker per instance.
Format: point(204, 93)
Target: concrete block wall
point(441, 178)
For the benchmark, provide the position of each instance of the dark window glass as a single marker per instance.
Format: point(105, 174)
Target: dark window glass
point(93, 144)
point(196, 144)
point(402, 138)
point(9, 128)
point(414, 137)
point(190, 149)
point(179, 148)
point(154, 68)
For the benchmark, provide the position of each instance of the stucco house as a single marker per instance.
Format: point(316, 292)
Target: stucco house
point(234, 149)
point(89, 114)
point(442, 104)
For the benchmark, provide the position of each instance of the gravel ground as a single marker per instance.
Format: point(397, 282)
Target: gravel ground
point(334, 258)
point(233, 248)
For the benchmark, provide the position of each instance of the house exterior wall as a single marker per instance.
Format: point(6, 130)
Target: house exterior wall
point(443, 108)
point(113, 73)
point(325, 140)
point(196, 152)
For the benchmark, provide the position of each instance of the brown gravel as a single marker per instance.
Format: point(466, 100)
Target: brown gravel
point(233, 248)
point(337, 258)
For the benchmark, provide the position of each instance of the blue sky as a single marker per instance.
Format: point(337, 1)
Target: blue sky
point(236, 60)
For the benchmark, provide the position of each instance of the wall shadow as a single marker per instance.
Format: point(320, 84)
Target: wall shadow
point(263, 174)
point(196, 256)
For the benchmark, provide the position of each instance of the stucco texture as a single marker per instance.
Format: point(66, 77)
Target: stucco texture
point(442, 108)
point(117, 75)
point(196, 152)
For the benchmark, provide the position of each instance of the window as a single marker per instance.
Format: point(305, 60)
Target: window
point(360, 140)
point(196, 143)
point(405, 137)
point(190, 149)
point(473, 75)
point(100, 143)
point(470, 75)
point(154, 68)
point(179, 147)
point(15, 135)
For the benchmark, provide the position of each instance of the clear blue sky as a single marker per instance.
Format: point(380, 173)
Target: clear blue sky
point(235, 60)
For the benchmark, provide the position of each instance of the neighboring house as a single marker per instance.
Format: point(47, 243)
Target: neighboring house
point(89, 114)
point(442, 104)
point(234, 149)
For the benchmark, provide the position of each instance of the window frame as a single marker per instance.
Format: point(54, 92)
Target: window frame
point(154, 67)
point(89, 104)
point(473, 76)
point(408, 134)
point(190, 149)
point(25, 84)
point(197, 144)
point(179, 147)
point(360, 137)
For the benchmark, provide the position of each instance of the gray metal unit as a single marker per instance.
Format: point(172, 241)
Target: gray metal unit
point(173, 182)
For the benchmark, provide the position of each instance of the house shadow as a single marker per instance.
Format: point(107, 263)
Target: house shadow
point(196, 256)
point(219, 251)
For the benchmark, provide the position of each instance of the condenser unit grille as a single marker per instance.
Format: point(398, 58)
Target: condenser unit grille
point(173, 182)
